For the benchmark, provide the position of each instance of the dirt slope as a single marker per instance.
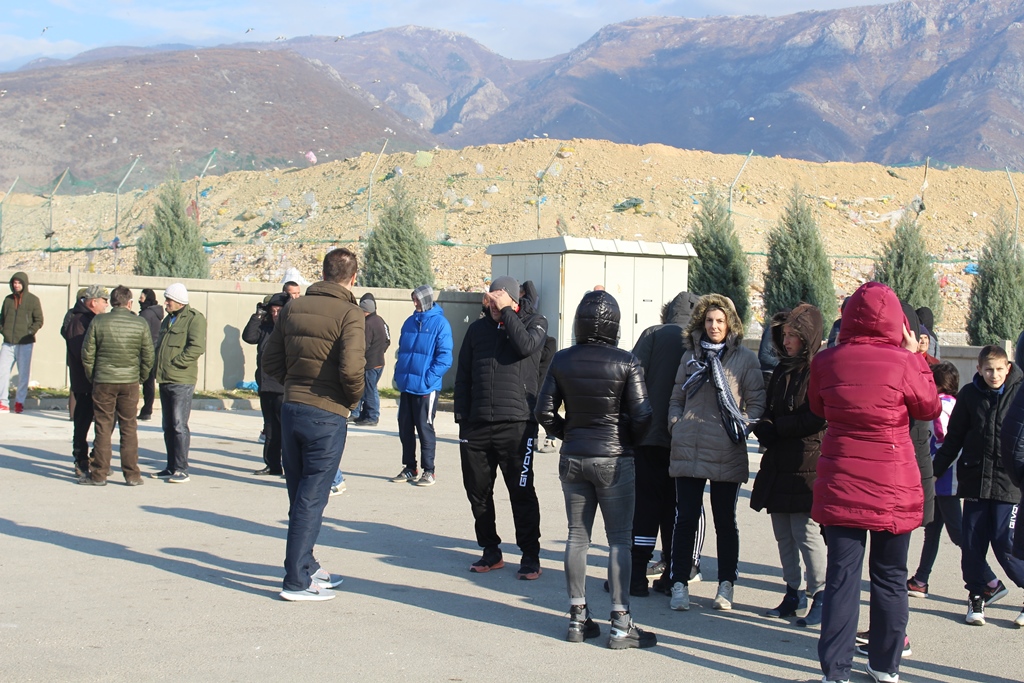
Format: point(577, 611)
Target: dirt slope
point(269, 221)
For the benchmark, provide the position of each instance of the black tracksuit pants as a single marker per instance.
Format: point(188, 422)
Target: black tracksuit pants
point(486, 448)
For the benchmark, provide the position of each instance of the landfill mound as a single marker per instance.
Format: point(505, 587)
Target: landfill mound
point(258, 224)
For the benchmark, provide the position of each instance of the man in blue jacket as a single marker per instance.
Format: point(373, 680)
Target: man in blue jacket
point(424, 355)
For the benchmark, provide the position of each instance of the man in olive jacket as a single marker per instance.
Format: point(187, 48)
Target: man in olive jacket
point(317, 351)
point(117, 356)
point(182, 341)
point(21, 316)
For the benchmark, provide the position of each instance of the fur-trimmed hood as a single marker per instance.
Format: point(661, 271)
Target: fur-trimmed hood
point(696, 327)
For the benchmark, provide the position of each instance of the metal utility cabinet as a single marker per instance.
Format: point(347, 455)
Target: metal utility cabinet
point(642, 276)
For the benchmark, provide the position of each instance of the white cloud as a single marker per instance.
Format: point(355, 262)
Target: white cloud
point(17, 48)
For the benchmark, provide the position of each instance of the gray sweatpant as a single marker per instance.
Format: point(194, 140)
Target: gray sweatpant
point(797, 534)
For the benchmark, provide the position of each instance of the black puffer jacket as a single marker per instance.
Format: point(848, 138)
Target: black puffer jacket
point(257, 331)
point(659, 349)
point(1011, 438)
point(499, 367)
point(602, 387)
point(974, 426)
point(789, 431)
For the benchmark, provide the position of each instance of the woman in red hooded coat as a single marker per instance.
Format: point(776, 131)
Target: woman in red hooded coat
point(868, 388)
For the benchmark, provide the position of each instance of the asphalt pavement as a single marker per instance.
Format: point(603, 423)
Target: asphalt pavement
point(179, 582)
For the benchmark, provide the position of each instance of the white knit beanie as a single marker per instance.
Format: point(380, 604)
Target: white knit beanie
point(177, 292)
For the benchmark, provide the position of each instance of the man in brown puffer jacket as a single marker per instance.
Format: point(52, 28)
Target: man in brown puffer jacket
point(317, 351)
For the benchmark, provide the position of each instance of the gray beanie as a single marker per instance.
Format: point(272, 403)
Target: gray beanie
point(368, 303)
point(509, 284)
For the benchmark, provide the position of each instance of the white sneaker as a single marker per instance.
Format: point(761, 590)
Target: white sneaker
point(976, 610)
point(325, 579)
point(880, 676)
point(680, 597)
point(825, 680)
point(695, 575)
point(312, 594)
point(724, 598)
point(1019, 621)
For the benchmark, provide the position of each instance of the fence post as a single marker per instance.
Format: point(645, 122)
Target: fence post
point(2, 212)
point(737, 178)
point(369, 186)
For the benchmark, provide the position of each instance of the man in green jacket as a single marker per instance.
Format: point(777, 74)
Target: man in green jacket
point(20, 318)
point(181, 342)
point(117, 356)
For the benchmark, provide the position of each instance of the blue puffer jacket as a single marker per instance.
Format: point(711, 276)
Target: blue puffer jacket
point(424, 352)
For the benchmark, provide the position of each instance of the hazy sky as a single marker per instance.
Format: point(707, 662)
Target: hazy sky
point(521, 29)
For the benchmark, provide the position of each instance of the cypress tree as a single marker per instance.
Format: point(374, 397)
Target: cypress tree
point(798, 269)
point(397, 253)
point(997, 296)
point(906, 267)
point(171, 245)
point(721, 265)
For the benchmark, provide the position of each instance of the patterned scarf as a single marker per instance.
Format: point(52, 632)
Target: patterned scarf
point(732, 419)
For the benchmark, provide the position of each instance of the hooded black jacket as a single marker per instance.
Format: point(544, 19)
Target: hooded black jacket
point(602, 387)
point(74, 335)
point(659, 349)
point(974, 426)
point(499, 367)
point(788, 430)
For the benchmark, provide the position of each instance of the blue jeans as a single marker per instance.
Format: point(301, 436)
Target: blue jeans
point(176, 407)
point(586, 484)
point(312, 441)
point(369, 405)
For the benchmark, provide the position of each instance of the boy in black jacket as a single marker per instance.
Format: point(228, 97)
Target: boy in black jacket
point(990, 498)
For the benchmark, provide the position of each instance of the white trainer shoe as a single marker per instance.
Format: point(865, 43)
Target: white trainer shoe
point(680, 597)
point(724, 598)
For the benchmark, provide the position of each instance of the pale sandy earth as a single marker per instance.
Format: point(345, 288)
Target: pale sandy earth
point(481, 195)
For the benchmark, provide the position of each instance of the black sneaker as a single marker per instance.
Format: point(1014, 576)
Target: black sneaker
point(163, 474)
point(145, 417)
point(529, 569)
point(625, 634)
point(996, 594)
point(862, 647)
point(407, 475)
point(266, 471)
point(581, 626)
point(365, 423)
point(490, 561)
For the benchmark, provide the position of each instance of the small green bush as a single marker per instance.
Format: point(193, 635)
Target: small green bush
point(171, 245)
point(721, 266)
point(997, 297)
point(906, 266)
point(397, 253)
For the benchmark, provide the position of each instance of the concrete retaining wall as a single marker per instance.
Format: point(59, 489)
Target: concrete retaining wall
point(227, 307)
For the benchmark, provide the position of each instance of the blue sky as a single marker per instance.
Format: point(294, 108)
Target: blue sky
point(521, 29)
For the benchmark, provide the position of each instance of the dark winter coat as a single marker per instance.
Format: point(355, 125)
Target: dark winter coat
point(659, 349)
point(601, 387)
point(1011, 438)
point(868, 388)
point(118, 348)
point(498, 375)
point(153, 314)
point(789, 431)
point(318, 349)
point(21, 315)
point(257, 331)
point(975, 426)
point(378, 339)
point(74, 336)
point(701, 447)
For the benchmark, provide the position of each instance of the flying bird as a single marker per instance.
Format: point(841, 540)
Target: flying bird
point(376, 80)
point(249, 30)
point(45, 29)
point(339, 38)
point(281, 38)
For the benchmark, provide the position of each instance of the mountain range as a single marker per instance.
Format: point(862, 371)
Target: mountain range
point(892, 84)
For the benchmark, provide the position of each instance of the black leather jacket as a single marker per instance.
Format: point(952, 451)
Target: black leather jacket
point(601, 386)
